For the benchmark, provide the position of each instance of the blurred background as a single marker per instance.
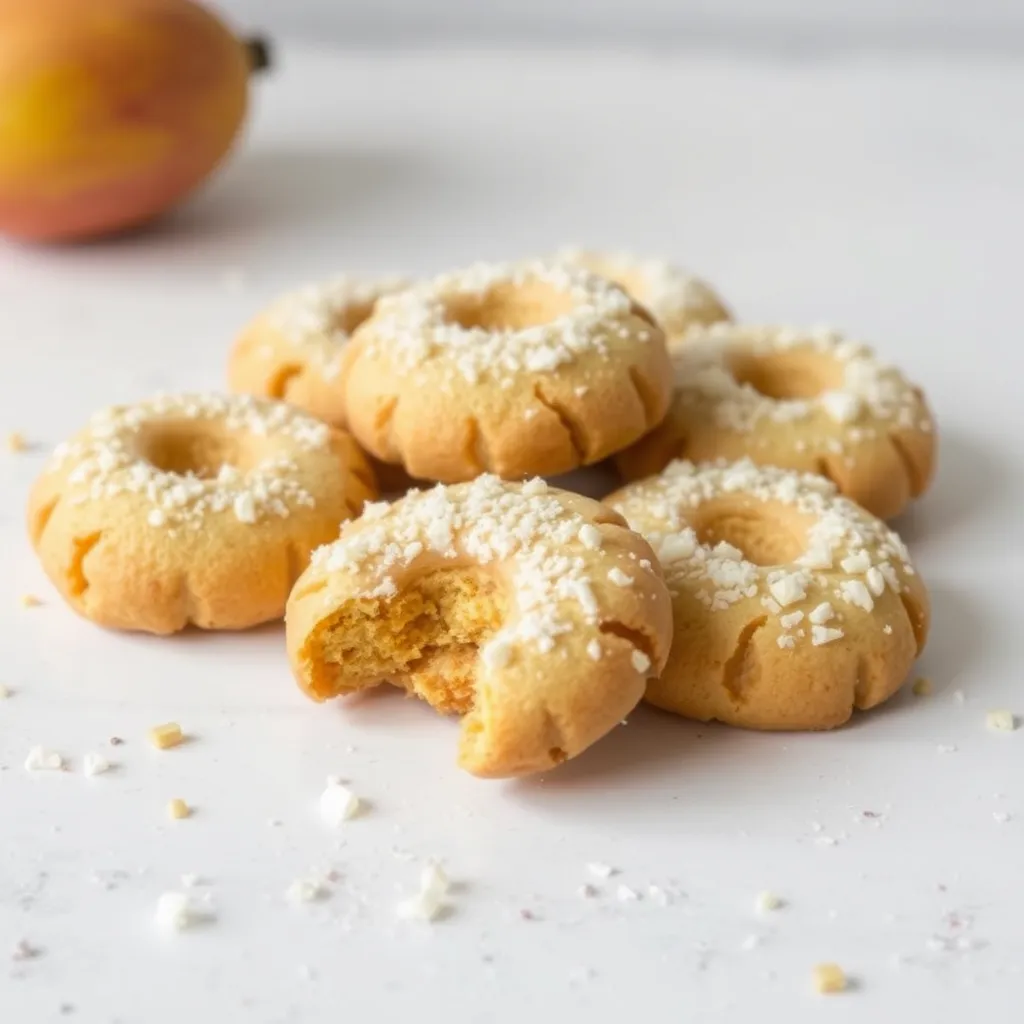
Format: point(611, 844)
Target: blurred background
point(761, 24)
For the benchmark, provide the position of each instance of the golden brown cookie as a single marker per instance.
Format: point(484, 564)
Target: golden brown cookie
point(531, 612)
point(192, 509)
point(295, 349)
point(678, 300)
point(792, 605)
point(519, 370)
point(806, 400)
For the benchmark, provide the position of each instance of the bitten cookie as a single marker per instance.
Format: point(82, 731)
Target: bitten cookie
point(677, 299)
point(520, 370)
point(295, 349)
point(531, 612)
point(195, 509)
point(806, 400)
point(792, 605)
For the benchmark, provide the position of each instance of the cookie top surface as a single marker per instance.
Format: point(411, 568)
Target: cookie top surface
point(809, 554)
point(745, 378)
point(186, 456)
point(548, 538)
point(677, 298)
point(321, 317)
point(500, 322)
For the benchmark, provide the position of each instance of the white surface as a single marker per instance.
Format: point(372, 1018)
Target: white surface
point(885, 198)
point(761, 23)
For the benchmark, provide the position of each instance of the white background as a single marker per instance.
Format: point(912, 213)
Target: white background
point(882, 194)
point(760, 24)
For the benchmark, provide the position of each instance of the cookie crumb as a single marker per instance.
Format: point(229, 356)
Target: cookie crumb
point(176, 911)
point(1001, 720)
point(42, 760)
point(428, 902)
point(337, 803)
point(163, 737)
point(178, 809)
point(658, 895)
point(115, 741)
point(95, 764)
point(767, 901)
point(829, 979)
point(587, 892)
point(16, 442)
point(599, 870)
point(306, 890)
point(922, 687)
point(30, 601)
point(4, 692)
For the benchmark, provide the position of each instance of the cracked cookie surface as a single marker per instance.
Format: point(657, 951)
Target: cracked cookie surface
point(809, 400)
point(792, 605)
point(534, 614)
point(517, 370)
point(195, 509)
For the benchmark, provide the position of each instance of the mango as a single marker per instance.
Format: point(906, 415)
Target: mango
point(111, 111)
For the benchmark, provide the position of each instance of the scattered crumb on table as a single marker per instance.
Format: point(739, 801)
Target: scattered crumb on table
point(178, 809)
point(163, 737)
point(95, 764)
point(828, 979)
point(42, 760)
point(1001, 720)
point(922, 686)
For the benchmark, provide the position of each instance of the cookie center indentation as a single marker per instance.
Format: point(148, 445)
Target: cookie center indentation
point(188, 448)
point(509, 307)
point(787, 375)
point(762, 536)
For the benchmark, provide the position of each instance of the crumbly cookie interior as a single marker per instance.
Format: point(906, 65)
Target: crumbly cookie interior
point(424, 639)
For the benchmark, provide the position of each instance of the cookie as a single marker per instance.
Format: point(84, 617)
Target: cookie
point(517, 370)
point(533, 613)
point(812, 401)
point(294, 350)
point(792, 605)
point(678, 300)
point(197, 509)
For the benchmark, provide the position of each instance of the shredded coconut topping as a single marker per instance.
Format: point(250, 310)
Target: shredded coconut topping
point(868, 390)
point(415, 327)
point(528, 526)
point(675, 296)
point(319, 317)
point(109, 458)
point(840, 534)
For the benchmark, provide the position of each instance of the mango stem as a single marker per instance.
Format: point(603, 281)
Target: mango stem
point(258, 48)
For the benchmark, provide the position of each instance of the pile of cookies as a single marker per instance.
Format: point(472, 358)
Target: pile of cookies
point(743, 573)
